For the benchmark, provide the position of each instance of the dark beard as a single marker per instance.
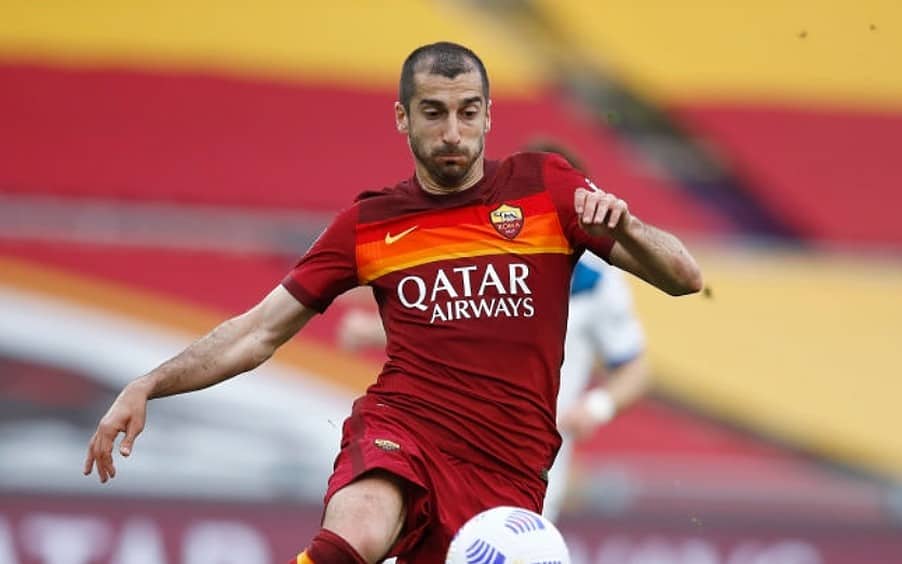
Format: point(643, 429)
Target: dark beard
point(444, 176)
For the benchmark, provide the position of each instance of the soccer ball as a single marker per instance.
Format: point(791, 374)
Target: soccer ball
point(508, 535)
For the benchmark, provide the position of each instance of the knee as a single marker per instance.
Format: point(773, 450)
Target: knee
point(368, 514)
point(370, 539)
point(371, 543)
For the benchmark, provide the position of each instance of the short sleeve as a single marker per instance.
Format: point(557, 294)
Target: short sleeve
point(562, 180)
point(329, 268)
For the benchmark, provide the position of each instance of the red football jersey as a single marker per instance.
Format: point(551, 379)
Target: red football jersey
point(473, 290)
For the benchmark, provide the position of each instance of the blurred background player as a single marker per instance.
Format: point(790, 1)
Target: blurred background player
point(602, 329)
point(604, 338)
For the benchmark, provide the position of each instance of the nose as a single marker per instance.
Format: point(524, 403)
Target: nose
point(451, 134)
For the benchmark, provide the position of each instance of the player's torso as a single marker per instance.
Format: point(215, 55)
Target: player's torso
point(490, 267)
point(473, 292)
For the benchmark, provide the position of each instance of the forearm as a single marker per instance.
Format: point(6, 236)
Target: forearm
point(628, 382)
point(657, 257)
point(228, 350)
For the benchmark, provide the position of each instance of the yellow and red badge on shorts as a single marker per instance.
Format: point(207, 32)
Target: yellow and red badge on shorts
point(507, 220)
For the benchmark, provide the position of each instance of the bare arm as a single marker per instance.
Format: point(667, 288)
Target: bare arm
point(625, 385)
point(237, 345)
point(628, 382)
point(650, 253)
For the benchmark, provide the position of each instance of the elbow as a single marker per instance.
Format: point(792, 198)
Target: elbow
point(258, 348)
point(262, 350)
point(689, 280)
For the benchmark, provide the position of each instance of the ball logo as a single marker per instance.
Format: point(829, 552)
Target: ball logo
point(522, 522)
point(507, 220)
point(481, 552)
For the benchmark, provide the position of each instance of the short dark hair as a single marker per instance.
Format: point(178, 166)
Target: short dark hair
point(446, 59)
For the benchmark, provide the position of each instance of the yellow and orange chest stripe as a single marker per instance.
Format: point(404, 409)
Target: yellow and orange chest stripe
point(524, 226)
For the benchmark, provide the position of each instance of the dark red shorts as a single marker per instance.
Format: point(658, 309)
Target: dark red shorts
point(442, 491)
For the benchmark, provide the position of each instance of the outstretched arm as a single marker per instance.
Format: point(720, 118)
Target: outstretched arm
point(237, 345)
point(650, 253)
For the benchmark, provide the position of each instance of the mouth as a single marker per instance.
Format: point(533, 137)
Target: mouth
point(456, 159)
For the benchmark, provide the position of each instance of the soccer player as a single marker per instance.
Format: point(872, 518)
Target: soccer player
point(602, 328)
point(470, 263)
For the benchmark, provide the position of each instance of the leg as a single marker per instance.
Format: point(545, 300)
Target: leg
point(368, 513)
point(558, 477)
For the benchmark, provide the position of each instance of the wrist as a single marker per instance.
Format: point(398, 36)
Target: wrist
point(142, 387)
point(631, 230)
point(600, 405)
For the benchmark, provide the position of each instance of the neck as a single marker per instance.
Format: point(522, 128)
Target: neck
point(428, 184)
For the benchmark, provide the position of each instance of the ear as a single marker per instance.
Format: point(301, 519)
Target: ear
point(401, 120)
point(488, 118)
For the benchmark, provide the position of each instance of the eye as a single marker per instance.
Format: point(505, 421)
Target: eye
point(471, 113)
point(431, 114)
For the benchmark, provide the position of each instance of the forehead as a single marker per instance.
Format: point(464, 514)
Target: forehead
point(429, 86)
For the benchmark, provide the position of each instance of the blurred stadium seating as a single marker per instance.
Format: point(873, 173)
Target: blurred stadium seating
point(162, 166)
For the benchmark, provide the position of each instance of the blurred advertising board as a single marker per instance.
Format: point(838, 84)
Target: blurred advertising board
point(41, 529)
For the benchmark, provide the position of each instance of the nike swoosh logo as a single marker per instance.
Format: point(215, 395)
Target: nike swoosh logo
point(391, 239)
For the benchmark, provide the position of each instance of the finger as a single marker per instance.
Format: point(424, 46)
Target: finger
point(89, 459)
point(603, 205)
point(105, 468)
point(615, 213)
point(101, 470)
point(135, 426)
point(590, 209)
point(579, 200)
point(95, 457)
point(103, 451)
point(98, 464)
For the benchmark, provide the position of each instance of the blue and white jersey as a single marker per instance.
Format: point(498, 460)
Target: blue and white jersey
point(602, 326)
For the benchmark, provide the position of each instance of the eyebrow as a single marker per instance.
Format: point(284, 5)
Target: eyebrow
point(439, 103)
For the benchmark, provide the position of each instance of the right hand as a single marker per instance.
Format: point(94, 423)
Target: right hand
point(600, 213)
point(126, 415)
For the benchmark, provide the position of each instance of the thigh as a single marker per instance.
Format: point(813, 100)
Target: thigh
point(460, 490)
point(368, 513)
point(379, 476)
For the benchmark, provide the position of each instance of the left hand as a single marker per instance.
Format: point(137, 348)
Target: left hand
point(577, 422)
point(601, 214)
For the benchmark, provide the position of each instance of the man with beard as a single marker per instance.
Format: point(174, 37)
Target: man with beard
point(470, 263)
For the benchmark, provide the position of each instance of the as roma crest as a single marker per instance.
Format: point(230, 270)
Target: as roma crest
point(507, 220)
